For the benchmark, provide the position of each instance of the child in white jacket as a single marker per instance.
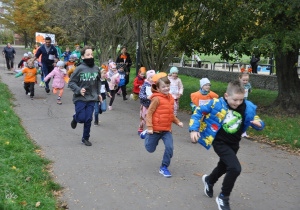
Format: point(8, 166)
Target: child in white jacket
point(176, 87)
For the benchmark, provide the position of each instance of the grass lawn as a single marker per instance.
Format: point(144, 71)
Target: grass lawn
point(280, 128)
point(24, 180)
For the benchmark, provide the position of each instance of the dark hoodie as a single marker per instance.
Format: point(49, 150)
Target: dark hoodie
point(88, 78)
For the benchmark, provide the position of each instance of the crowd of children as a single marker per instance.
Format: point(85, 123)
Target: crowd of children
point(217, 122)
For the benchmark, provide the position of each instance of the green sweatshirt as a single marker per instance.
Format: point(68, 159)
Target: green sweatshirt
point(88, 78)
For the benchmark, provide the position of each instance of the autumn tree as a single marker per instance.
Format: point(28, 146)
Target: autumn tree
point(24, 17)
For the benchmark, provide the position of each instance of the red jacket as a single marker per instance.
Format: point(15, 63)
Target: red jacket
point(137, 84)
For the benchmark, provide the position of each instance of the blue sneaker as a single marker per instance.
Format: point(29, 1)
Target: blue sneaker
point(143, 134)
point(164, 171)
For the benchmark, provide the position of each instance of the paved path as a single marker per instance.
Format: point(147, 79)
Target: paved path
point(118, 173)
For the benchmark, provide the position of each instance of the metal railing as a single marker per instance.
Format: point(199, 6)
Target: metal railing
point(242, 64)
point(207, 62)
point(222, 62)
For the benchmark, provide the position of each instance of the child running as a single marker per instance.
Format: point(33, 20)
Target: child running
point(224, 121)
point(58, 74)
point(85, 83)
point(30, 77)
point(244, 78)
point(159, 120)
point(176, 87)
point(113, 80)
point(204, 95)
point(122, 84)
point(144, 95)
point(137, 83)
point(101, 106)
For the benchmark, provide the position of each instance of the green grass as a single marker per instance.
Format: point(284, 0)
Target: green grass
point(280, 128)
point(24, 179)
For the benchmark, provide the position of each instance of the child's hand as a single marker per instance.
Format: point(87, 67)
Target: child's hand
point(100, 99)
point(82, 91)
point(149, 97)
point(150, 131)
point(109, 95)
point(195, 136)
point(256, 123)
point(180, 124)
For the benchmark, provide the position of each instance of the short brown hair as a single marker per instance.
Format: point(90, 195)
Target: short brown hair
point(235, 87)
point(164, 80)
point(82, 51)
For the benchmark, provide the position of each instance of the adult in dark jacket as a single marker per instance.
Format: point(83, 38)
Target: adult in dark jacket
point(253, 63)
point(49, 54)
point(124, 58)
point(9, 53)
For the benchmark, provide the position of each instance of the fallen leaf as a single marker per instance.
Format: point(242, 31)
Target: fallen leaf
point(295, 142)
point(23, 203)
point(37, 204)
point(14, 167)
point(28, 179)
point(7, 143)
point(198, 174)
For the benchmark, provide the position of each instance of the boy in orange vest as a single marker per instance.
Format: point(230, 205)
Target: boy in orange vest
point(159, 120)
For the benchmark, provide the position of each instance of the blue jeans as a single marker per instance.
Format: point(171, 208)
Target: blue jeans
point(84, 114)
point(151, 142)
point(46, 69)
point(102, 107)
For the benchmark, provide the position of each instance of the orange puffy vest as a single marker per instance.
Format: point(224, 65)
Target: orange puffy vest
point(163, 116)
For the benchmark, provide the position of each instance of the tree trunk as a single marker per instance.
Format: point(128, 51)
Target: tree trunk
point(288, 81)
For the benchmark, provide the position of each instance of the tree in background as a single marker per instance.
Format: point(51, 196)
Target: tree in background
point(220, 27)
point(24, 18)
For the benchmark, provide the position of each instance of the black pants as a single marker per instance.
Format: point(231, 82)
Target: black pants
point(254, 69)
point(228, 164)
point(113, 94)
point(9, 63)
point(123, 88)
point(199, 64)
point(29, 87)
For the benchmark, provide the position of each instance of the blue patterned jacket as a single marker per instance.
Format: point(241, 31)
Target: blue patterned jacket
point(213, 114)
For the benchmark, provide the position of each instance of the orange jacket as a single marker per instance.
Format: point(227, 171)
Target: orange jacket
point(70, 65)
point(29, 74)
point(160, 113)
point(198, 96)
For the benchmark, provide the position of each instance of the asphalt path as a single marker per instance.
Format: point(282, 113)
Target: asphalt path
point(116, 172)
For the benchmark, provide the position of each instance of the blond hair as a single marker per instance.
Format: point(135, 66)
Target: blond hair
point(244, 74)
point(235, 87)
point(164, 80)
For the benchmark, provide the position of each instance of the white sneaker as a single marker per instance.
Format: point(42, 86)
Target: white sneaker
point(109, 107)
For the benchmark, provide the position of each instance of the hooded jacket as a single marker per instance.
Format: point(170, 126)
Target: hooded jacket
point(58, 80)
point(88, 78)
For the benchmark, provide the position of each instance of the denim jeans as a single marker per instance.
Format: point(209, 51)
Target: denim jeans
point(102, 107)
point(84, 114)
point(151, 142)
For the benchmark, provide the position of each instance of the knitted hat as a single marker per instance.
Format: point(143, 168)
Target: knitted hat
point(120, 65)
point(29, 53)
point(174, 69)
point(112, 65)
point(156, 77)
point(60, 63)
point(150, 73)
point(204, 81)
point(25, 55)
point(142, 70)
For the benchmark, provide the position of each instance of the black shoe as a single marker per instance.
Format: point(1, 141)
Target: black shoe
point(96, 123)
point(223, 202)
point(47, 90)
point(73, 123)
point(124, 99)
point(86, 142)
point(208, 188)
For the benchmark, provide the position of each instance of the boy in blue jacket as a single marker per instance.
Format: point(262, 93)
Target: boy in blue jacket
point(224, 120)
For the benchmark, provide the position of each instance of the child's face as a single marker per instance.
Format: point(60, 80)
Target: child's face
point(234, 100)
point(142, 74)
point(164, 88)
point(30, 64)
point(174, 75)
point(150, 79)
point(102, 75)
point(113, 70)
point(71, 59)
point(245, 79)
point(88, 54)
point(206, 87)
point(61, 67)
point(121, 69)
